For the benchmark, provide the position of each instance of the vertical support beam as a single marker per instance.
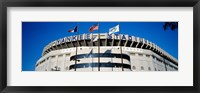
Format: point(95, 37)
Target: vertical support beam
point(131, 43)
point(84, 40)
point(164, 63)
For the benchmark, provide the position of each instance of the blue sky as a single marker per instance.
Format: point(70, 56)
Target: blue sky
point(36, 35)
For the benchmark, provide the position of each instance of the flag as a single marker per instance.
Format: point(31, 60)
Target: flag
point(73, 30)
point(114, 29)
point(94, 27)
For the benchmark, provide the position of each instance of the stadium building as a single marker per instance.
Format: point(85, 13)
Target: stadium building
point(115, 52)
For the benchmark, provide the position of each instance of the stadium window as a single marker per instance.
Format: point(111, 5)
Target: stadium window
point(149, 68)
point(157, 60)
point(148, 56)
point(154, 57)
point(140, 54)
point(86, 65)
point(134, 68)
point(67, 54)
point(133, 54)
point(59, 47)
point(142, 68)
point(109, 43)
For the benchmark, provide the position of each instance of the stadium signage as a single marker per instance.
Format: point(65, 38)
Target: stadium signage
point(92, 37)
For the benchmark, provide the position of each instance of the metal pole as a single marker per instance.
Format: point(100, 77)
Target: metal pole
point(120, 39)
point(76, 48)
point(98, 47)
point(92, 50)
point(111, 55)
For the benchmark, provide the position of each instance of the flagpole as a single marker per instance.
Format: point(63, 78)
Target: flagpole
point(120, 39)
point(111, 53)
point(92, 50)
point(77, 33)
point(98, 47)
point(111, 56)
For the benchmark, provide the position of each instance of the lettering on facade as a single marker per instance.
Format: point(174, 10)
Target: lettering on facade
point(89, 36)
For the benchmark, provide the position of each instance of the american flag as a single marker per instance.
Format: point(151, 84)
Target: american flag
point(94, 27)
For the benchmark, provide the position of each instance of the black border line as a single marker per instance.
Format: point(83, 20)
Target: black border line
point(100, 3)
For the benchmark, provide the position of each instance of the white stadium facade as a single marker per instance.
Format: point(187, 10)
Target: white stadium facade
point(115, 52)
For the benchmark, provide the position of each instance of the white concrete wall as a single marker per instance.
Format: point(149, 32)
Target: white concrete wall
point(138, 58)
